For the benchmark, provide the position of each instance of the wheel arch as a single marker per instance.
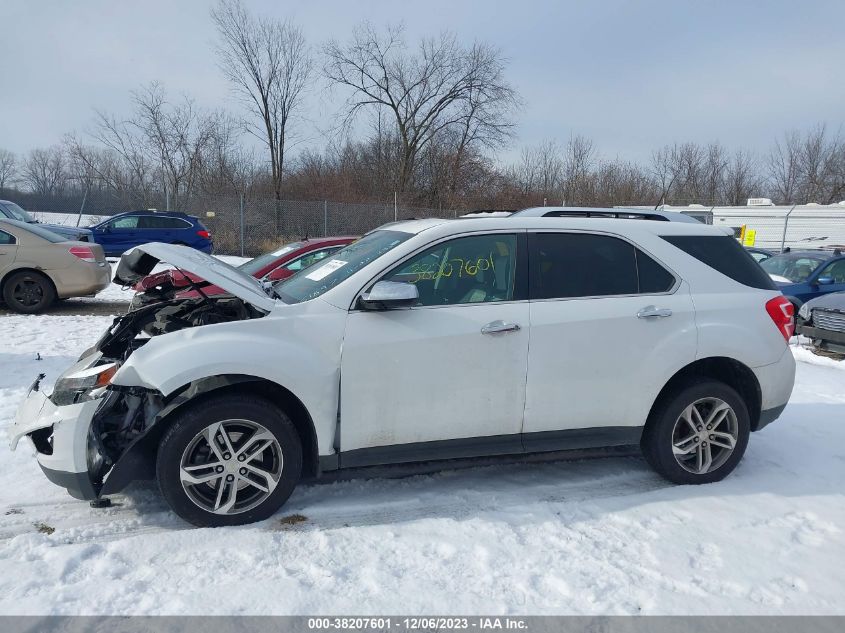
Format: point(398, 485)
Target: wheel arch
point(723, 369)
point(138, 461)
point(30, 269)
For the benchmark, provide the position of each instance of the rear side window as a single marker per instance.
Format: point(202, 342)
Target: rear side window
point(159, 222)
point(6, 238)
point(578, 265)
point(724, 254)
point(40, 231)
point(653, 277)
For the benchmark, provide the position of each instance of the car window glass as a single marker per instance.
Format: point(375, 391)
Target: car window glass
point(310, 258)
point(128, 222)
point(329, 272)
point(724, 254)
point(582, 265)
point(476, 269)
point(795, 268)
point(653, 278)
point(15, 212)
point(835, 271)
point(6, 238)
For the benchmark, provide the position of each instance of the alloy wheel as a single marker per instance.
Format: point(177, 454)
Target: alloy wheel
point(231, 466)
point(705, 435)
point(28, 292)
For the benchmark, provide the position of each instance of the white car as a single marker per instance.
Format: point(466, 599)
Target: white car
point(424, 340)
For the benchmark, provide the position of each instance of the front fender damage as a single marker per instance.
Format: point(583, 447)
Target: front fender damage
point(127, 428)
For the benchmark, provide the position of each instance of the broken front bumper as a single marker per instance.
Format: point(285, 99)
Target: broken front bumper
point(60, 437)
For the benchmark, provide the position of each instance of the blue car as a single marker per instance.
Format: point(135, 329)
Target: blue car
point(127, 230)
point(805, 275)
point(12, 211)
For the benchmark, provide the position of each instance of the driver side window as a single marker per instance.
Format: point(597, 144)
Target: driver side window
point(129, 222)
point(476, 269)
point(836, 271)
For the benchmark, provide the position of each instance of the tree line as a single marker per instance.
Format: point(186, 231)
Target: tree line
point(424, 120)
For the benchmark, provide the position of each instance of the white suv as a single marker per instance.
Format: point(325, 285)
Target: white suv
point(424, 340)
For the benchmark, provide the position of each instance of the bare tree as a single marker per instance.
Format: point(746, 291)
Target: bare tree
point(577, 164)
point(741, 179)
point(269, 65)
point(8, 168)
point(175, 136)
point(45, 170)
point(440, 86)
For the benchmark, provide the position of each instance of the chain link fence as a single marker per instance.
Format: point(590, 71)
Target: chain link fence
point(239, 225)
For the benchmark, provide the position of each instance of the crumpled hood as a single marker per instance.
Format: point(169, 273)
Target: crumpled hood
point(136, 264)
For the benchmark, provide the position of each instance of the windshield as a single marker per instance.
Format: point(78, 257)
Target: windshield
point(795, 268)
point(254, 265)
point(16, 213)
point(327, 273)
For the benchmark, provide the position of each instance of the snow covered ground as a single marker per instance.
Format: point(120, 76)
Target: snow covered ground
point(605, 536)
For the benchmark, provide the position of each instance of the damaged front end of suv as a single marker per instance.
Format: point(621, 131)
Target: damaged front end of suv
point(93, 436)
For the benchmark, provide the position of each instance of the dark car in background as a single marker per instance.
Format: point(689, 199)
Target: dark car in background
point(759, 254)
point(11, 211)
point(805, 275)
point(823, 321)
point(127, 230)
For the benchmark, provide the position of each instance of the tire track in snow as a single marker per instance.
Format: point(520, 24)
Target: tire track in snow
point(449, 494)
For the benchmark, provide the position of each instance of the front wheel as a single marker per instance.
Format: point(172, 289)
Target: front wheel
point(697, 434)
point(229, 460)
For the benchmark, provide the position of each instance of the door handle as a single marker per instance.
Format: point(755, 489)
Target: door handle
point(652, 311)
point(499, 327)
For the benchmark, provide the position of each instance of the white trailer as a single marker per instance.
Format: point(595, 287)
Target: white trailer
point(775, 227)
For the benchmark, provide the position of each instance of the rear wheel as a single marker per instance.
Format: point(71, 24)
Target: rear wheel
point(229, 460)
point(28, 292)
point(697, 434)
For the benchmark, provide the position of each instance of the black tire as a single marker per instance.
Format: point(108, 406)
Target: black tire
point(192, 421)
point(659, 435)
point(28, 292)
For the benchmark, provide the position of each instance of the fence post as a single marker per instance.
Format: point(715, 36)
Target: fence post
point(325, 218)
point(785, 223)
point(395, 208)
point(166, 198)
point(242, 224)
point(82, 208)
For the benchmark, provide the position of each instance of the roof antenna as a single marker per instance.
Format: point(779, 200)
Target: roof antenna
point(664, 192)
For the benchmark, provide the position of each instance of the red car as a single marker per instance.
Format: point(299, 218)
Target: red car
point(276, 265)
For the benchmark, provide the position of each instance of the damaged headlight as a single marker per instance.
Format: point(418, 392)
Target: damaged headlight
point(83, 385)
point(804, 312)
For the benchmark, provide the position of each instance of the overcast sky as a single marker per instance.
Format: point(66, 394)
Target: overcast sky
point(633, 76)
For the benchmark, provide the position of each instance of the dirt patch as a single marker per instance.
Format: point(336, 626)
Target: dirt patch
point(44, 528)
point(292, 519)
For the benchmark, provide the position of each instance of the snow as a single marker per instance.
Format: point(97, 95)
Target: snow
point(602, 536)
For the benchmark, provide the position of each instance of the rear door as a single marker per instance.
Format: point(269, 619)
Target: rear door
point(609, 324)
point(8, 250)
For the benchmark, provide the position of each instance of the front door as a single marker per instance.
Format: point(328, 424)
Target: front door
point(445, 378)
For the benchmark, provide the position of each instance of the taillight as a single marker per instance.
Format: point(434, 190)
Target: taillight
point(84, 253)
point(204, 234)
point(783, 314)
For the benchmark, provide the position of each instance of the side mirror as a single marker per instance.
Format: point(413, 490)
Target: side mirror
point(387, 295)
point(824, 281)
